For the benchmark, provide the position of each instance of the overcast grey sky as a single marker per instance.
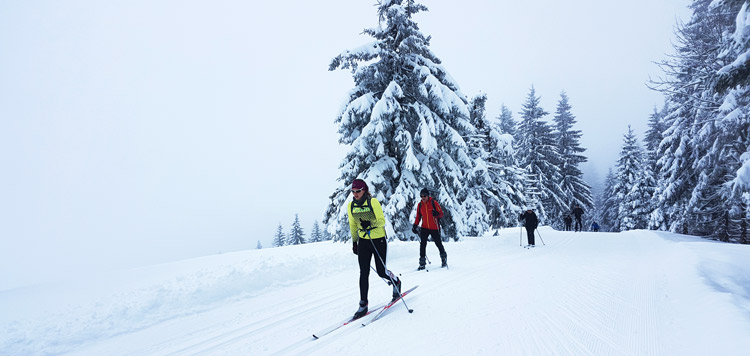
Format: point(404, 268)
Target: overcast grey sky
point(143, 131)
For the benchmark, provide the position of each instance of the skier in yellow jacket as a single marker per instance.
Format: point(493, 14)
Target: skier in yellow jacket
point(367, 226)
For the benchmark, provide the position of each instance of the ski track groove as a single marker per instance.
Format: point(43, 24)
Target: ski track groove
point(602, 312)
point(209, 342)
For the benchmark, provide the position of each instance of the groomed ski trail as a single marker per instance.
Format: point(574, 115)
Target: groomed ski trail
point(580, 294)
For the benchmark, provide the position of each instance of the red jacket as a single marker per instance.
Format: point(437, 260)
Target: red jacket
point(424, 213)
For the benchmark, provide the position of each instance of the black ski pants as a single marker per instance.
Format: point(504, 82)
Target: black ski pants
point(423, 235)
point(366, 249)
point(530, 234)
point(579, 226)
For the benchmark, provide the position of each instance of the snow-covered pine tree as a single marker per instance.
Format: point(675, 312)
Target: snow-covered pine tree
point(732, 85)
point(404, 122)
point(315, 234)
point(259, 246)
point(296, 235)
point(538, 157)
point(574, 188)
point(693, 166)
point(506, 122)
point(632, 194)
point(502, 194)
point(279, 239)
point(652, 140)
point(655, 134)
point(610, 203)
point(736, 74)
point(479, 185)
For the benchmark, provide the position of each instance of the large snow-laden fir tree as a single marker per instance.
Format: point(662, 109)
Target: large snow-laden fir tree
point(705, 135)
point(478, 181)
point(608, 218)
point(537, 155)
point(631, 190)
point(732, 84)
point(405, 123)
point(574, 188)
point(495, 179)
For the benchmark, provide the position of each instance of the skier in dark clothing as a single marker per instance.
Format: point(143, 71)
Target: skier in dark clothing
point(530, 221)
point(568, 222)
point(367, 226)
point(429, 212)
point(578, 212)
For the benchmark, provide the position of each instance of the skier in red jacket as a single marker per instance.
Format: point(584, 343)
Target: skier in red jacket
point(429, 212)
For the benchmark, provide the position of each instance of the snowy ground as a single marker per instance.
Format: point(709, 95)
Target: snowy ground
point(634, 293)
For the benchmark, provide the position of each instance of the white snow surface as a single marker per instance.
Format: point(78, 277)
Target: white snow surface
point(632, 293)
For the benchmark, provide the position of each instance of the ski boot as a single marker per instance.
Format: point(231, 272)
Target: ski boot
point(421, 264)
point(444, 259)
point(397, 289)
point(362, 311)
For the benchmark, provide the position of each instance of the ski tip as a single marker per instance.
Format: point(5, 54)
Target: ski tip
point(315, 337)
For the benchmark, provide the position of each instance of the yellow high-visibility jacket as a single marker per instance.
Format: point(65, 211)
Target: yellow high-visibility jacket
point(371, 211)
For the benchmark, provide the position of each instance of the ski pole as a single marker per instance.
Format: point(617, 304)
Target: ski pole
point(540, 236)
point(390, 275)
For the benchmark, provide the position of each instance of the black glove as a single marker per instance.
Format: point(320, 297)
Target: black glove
point(415, 229)
point(435, 213)
point(365, 224)
point(354, 247)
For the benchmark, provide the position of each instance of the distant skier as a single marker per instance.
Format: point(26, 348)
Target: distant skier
point(595, 227)
point(429, 211)
point(530, 222)
point(578, 212)
point(568, 222)
point(367, 226)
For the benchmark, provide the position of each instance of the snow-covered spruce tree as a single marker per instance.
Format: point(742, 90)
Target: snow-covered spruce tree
point(652, 140)
point(315, 234)
point(296, 235)
point(478, 184)
point(610, 203)
point(736, 74)
point(538, 157)
point(692, 168)
point(732, 84)
point(574, 188)
point(279, 239)
point(503, 195)
point(631, 192)
point(259, 246)
point(404, 122)
point(505, 121)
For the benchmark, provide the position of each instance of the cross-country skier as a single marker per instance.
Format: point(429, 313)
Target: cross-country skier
point(429, 211)
point(367, 226)
point(568, 222)
point(530, 222)
point(578, 212)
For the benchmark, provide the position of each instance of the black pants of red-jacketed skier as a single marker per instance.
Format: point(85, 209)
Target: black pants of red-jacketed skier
point(424, 234)
point(366, 250)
